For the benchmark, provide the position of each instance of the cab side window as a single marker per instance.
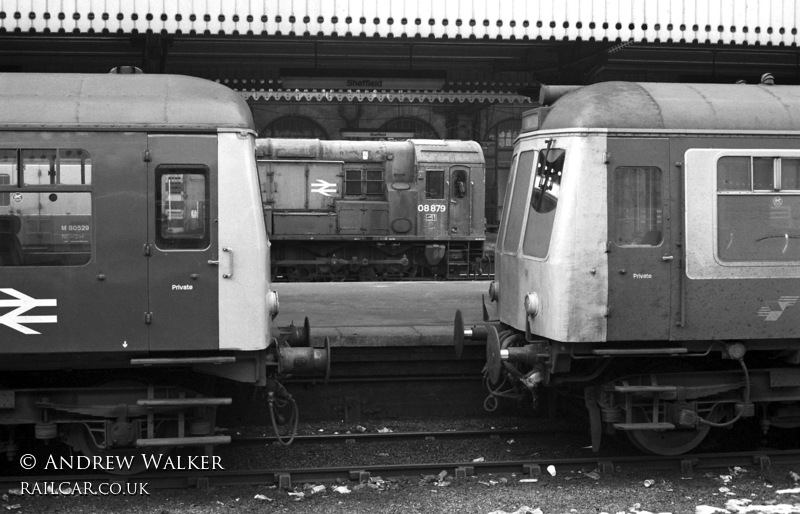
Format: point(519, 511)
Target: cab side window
point(434, 185)
point(182, 213)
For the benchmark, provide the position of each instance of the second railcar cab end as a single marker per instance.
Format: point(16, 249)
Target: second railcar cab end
point(130, 223)
point(655, 212)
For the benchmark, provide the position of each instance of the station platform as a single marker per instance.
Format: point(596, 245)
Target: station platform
point(359, 314)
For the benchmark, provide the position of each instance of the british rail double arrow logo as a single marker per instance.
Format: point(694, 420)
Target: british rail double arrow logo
point(323, 187)
point(15, 318)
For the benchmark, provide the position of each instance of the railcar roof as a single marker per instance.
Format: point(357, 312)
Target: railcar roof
point(630, 105)
point(119, 101)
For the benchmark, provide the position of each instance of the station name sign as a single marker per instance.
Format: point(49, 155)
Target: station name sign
point(362, 83)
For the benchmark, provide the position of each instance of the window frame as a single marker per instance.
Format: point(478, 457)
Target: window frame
point(18, 186)
point(364, 182)
point(189, 243)
point(658, 182)
point(752, 191)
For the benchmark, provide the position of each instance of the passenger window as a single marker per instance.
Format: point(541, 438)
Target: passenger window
point(790, 174)
point(182, 209)
point(637, 200)
point(763, 174)
point(458, 184)
point(434, 185)
point(733, 174)
point(544, 200)
point(519, 200)
point(759, 223)
point(45, 224)
point(55, 167)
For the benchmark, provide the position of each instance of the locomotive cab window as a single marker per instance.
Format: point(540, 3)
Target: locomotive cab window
point(434, 185)
point(48, 220)
point(758, 209)
point(544, 199)
point(182, 208)
point(459, 184)
point(638, 208)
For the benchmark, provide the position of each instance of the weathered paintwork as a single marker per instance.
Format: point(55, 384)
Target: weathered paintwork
point(369, 204)
point(668, 295)
point(677, 290)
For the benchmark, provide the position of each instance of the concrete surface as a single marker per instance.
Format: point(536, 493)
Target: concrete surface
point(381, 313)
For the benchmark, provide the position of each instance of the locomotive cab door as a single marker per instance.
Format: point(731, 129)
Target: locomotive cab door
point(639, 259)
point(432, 207)
point(459, 211)
point(182, 243)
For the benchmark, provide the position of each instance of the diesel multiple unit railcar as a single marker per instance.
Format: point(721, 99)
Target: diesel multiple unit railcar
point(649, 258)
point(132, 243)
point(374, 210)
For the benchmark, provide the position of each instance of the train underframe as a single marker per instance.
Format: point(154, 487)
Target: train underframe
point(371, 260)
point(664, 397)
point(127, 417)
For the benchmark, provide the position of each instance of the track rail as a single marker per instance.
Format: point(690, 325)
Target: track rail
point(411, 436)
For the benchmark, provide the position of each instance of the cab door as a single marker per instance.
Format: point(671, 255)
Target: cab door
point(432, 207)
point(184, 263)
point(459, 211)
point(639, 258)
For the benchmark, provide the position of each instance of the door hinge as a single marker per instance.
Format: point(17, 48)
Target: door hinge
point(147, 249)
point(146, 156)
point(148, 318)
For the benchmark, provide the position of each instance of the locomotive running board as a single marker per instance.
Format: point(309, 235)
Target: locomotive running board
point(183, 441)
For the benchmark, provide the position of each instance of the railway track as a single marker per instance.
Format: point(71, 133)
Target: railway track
point(345, 438)
point(532, 469)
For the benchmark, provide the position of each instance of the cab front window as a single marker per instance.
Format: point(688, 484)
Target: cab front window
point(544, 200)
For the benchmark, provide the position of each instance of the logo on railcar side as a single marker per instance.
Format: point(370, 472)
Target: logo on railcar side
point(324, 188)
point(773, 310)
point(22, 303)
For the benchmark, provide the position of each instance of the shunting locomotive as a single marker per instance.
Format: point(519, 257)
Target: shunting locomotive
point(649, 258)
point(374, 210)
point(132, 244)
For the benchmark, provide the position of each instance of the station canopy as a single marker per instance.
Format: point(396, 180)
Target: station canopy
point(752, 22)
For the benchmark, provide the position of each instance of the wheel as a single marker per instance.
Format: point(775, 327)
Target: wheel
point(665, 442)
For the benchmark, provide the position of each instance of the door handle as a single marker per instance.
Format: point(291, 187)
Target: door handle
point(667, 258)
point(229, 251)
